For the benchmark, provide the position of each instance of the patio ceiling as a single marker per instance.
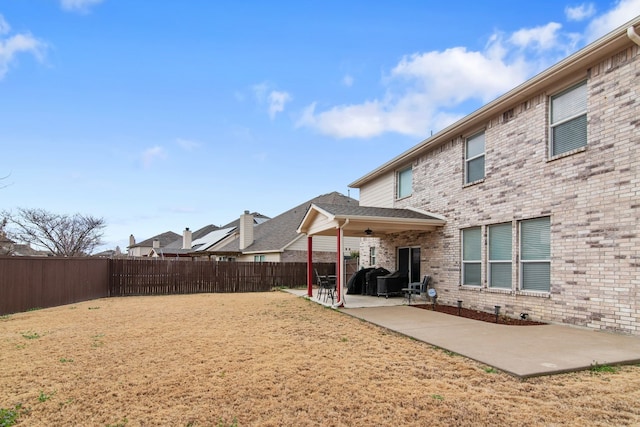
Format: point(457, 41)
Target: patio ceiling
point(323, 220)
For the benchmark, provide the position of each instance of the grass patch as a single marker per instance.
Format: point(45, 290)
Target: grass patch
point(120, 423)
point(35, 309)
point(43, 397)
point(437, 397)
point(597, 368)
point(234, 423)
point(490, 370)
point(5, 317)
point(65, 360)
point(94, 308)
point(97, 341)
point(9, 417)
point(30, 335)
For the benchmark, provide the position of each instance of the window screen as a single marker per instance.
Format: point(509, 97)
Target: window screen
point(405, 183)
point(569, 120)
point(535, 254)
point(500, 256)
point(474, 158)
point(471, 256)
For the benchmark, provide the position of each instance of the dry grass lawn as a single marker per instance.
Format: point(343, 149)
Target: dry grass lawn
point(270, 359)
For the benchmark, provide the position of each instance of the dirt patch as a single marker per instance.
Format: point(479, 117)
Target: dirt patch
point(478, 315)
point(271, 359)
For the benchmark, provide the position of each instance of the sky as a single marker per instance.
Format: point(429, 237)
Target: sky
point(165, 114)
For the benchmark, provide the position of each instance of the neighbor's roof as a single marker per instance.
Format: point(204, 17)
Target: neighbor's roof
point(572, 67)
point(165, 238)
point(279, 232)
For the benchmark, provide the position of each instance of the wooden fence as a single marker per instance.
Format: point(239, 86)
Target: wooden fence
point(39, 282)
point(36, 282)
point(161, 277)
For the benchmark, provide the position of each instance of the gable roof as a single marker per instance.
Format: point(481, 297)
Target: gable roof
point(279, 232)
point(365, 221)
point(571, 69)
point(164, 238)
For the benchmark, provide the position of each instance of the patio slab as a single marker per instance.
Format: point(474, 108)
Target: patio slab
point(523, 351)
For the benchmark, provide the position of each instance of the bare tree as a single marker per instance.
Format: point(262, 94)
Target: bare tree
point(63, 235)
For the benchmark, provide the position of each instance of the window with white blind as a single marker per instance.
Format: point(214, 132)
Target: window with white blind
point(535, 254)
point(568, 120)
point(474, 158)
point(372, 256)
point(471, 256)
point(404, 179)
point(499, 257)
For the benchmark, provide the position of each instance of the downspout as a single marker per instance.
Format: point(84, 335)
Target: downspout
point(340, 268)
point(633, 36)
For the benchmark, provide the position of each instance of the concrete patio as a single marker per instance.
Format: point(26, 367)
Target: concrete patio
point(523, 351)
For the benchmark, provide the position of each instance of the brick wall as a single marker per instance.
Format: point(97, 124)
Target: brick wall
point(591, 195)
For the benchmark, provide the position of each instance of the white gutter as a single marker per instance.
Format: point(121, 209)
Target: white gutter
point(633, 36)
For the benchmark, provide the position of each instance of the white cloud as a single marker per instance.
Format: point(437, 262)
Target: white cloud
point(150, 155)
point(4, 26)
point(543, 37)
point(81, 6)
point(423, 91)
point(187, 144)
point(276, 102)
point(347, 80)
point(624, 11)
point(580, 12)
point(428, 91)
point(274, 99)
point(11, 46)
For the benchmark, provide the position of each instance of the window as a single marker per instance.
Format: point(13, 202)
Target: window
point(259, 258)
point(471, 256)
point(569, 120)
point(405, 183)
point(535, 255)
point(474, 158)
point(500, 256)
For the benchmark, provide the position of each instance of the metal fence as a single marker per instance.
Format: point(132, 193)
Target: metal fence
point(36, 282)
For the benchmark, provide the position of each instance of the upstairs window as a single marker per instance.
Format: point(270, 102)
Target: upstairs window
point(474, 158)
point(405, 183)
point(471, 256)
point(568, 120)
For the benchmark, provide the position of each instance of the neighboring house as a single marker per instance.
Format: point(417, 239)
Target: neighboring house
point(537, 193)
point(276, 240)
point(8, 247)
point(197, 244)
point(148, 248)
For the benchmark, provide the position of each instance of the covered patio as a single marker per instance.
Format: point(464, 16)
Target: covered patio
point(357, 221)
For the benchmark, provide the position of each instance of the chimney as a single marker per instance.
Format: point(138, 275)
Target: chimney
point(156, 243)
point(186, 238)
point(246, 230)
point(132, 240)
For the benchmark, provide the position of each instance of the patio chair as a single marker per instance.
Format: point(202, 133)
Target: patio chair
point(325, 286)
point(417, 288)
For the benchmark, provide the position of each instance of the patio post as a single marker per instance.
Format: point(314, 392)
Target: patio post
point(339, 261)
point(310, 266)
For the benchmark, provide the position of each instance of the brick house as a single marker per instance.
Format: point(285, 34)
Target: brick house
point(539, 192)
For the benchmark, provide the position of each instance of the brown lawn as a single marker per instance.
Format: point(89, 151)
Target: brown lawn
point(270, 359)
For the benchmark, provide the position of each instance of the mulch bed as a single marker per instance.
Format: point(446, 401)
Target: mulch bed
point(478, 315)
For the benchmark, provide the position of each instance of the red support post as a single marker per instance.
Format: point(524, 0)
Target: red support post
point(310, 266)
point(339, 267)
